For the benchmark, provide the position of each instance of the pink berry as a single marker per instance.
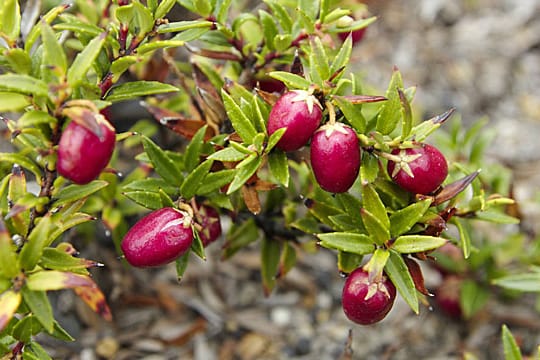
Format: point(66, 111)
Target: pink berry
point(335, 157)
point(208, 218)
point(420, 170)
point(366, 302)
point(158, 238)
point(447, 296)
point(82, 155)
point(300, 113)
point(357, 35)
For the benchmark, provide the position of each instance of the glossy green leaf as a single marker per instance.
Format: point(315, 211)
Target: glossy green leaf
point(496, 217)
point(38, 303)
point(197, 246)
point(349, 242)
point(406, 115)
point(526, 282)
point(222, 10)
point(464, 237)
point(319, 59)
point(244, 174)
point(36, 242)
point(84, 60)
point(58, 259)
point(397, 271)
point(377, 231)
point(36, 350)
point(8, 257)
point(269, 27)
point(54, 63)
point(216, 180)
point(74, 24)
point(120, 65)
point(279, 166)
point(241, 123)
point(270, 255)
point(370, 167)
point(377, 262)
point(510, 346)
point(10, 101)
point(135, 89)
point(75, 192)
point(372, 203)
point(162, 163)
point(163, 8)
point(195, 179)
point(472, 297)
point(23, 84)
point(348, 262)
point(35, 117)
point(10, 19)
point(390, 113)
point(184, 25)
point(281, 15)
point(181, 265)
point(229, 154)
point(343, 56)
point(9, 303)
point(155, 45)
point(274, 139)
point(49, 17)
point(64, 223)
point(292, 81)
point(150, 200)
point(26, 328)
point(151, 184)
point(352, 113)
point(404, 219)
point(18, 60)
point(408, 244)
point(193, 150)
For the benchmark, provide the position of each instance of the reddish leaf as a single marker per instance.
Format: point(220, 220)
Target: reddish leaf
point(178, 123)
point(95, 299)
point(297, 68)
point(251, 199)
point(452, 190)
point(269, 98)
point(439, 119)
point(209, 99)
point(417, 276)
point(57, 280)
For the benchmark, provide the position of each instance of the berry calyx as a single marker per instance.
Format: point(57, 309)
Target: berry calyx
point(420, 169)
point(158, 238)
point(82, 155)
point(335, 157)
point(300, 113)
point(208, 218)
point(366, 302)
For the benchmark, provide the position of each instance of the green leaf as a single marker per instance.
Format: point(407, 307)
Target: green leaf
point(496, 217)
point(193, 150)
point(39, 304)
point(373, 204)
point(163, 8)
point(36, 242)
point(47, 280)
point(352, 113)
point(155, 45)
point(229, 154)
point(343, 57)
point(9, 303)
point(241, 123)
point(181, 265)
point(279, 167)
point(184, 25)
point(464, 238)
point(472, 297)
point(135, 89)
point(53, 55)
point(162, 163)
point(120, 65)
point(511, 349)
point(397, 271)
point(10, 19)
point(318, 59)
point(195, 179)
point(390, 113)
point(60, 333)
point(151, 184)
point(64, 223)
point(36, 350)
point(84, 61)
point(404, 219)
point(75, 192)
point(353, 243)
point(287, 260)
point(35, 117)
point(245, 173)
point(408, 244)
point(239, 237)
point(8, 256)
point(292, 81)
point(406, 113)
point(378, 232)
point(377, 262)
point(36, 30)
point(197, 246)
point(215, 180)
point(150, 200)
point(348, 262)
point(526, 282)
point(281, 15)
point(18, 60)
point(12, 101)
point(274, 139)
point(26, 328)
point(23, 84)
point(269, 27)
point(270, 255)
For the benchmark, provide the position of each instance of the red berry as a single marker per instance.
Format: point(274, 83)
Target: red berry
point(357, 35)
point(335, 157)
point(82, 155)
point(366, 303)
point(300, 113)
point(158, 238)
point(447, 296)
point(208, 218)
point(420, 170)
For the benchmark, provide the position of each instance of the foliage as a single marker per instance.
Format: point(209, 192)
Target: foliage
point(75, 62)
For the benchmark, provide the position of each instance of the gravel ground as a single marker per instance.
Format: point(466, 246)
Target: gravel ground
point(481, 57)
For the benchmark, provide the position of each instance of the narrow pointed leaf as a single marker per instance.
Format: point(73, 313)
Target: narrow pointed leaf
point(404, 219)
point(511, 349)
point(37, 240)
point(150, 200)
point(390, 113)
point(353, 243)
point(10, 19)
point(162, 163)
point(292, 81)
point(408, 244)
point(39, 304)
point(240, 122)
point(244, 174)
point(193, 150)
point(8, 257)
point(279, 167)
point(9, 303)
point(84, 60)
point(75, 192)
point(373, 203)
point(56, 280)
point(136, 89)
point(472, 297)
point(53, 53)
point(526, 282)
point(270, 255)
point(377, 231)
point(23, 84)
point(181, 265)
point(397, 271)
point(216, 180)
point(464, 238)
point(195, 179)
